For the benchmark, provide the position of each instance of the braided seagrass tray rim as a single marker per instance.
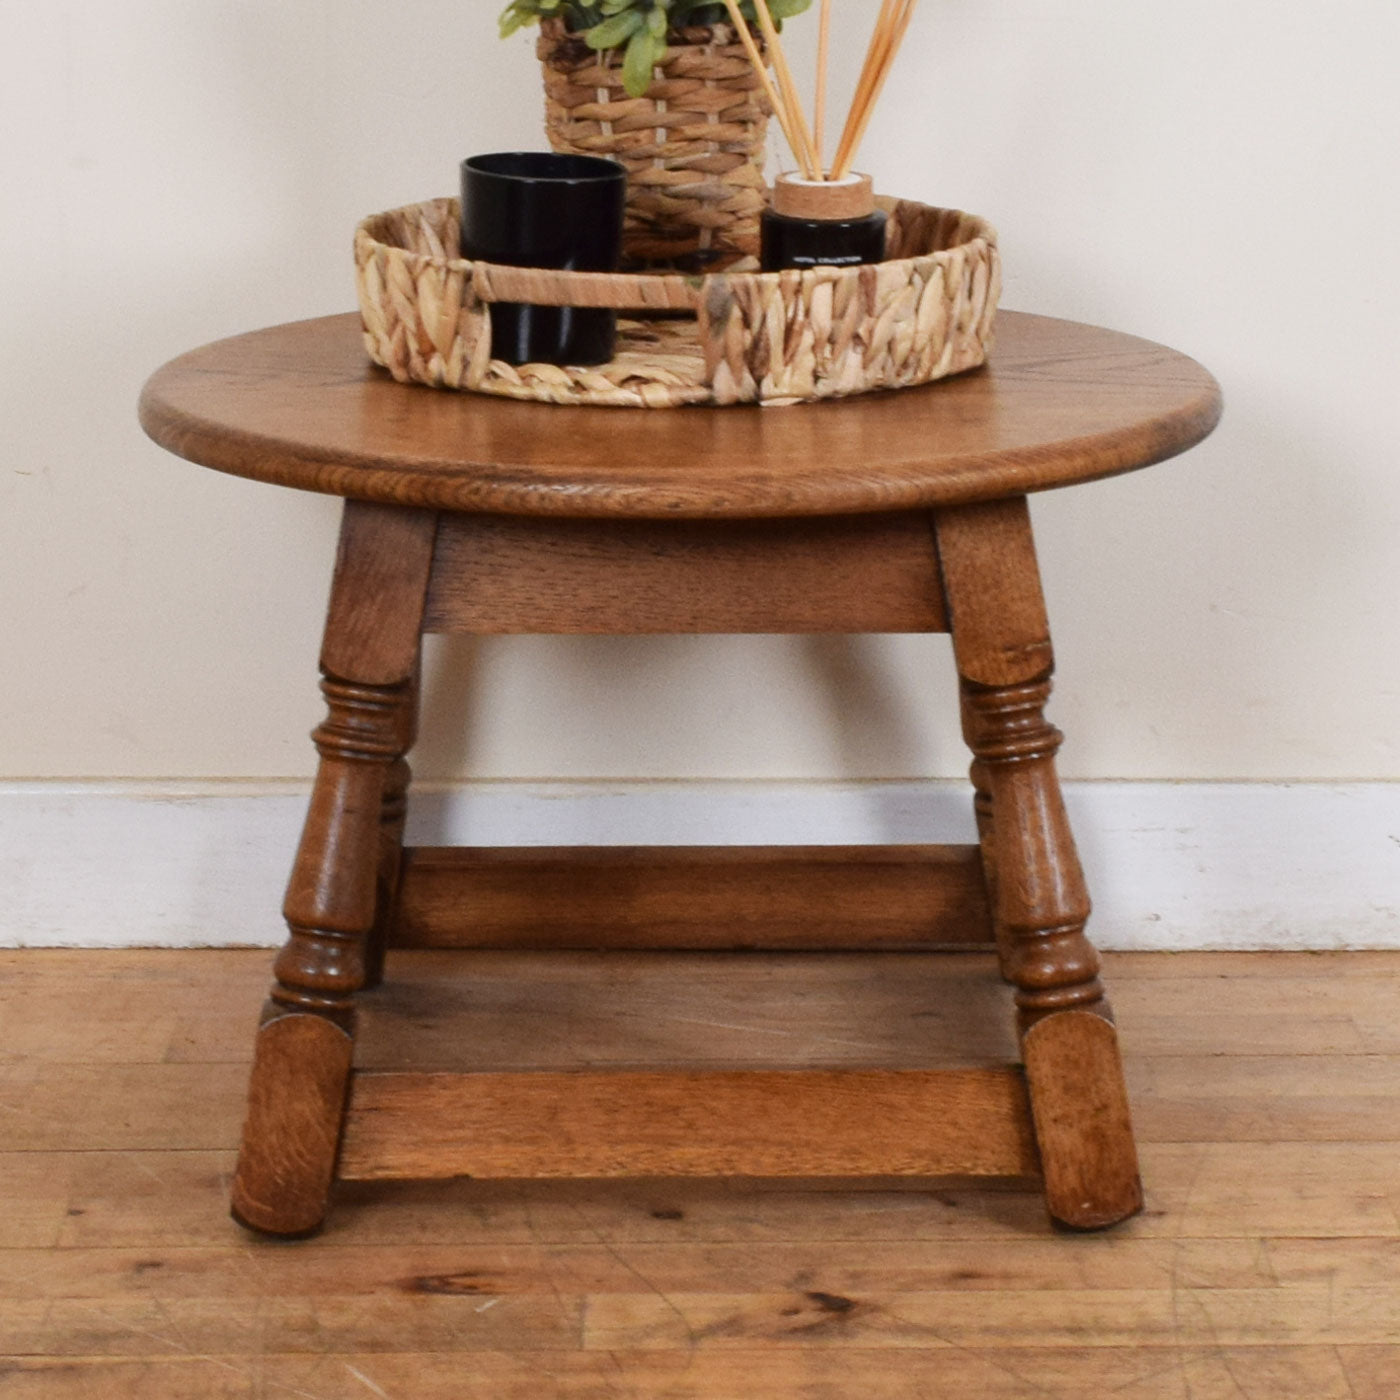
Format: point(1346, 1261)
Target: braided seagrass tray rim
point(747, 337)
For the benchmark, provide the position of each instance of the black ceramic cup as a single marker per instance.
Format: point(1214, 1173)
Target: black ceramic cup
point(544, 209)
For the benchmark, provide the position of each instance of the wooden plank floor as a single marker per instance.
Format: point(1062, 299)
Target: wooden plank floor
point(1266, 1089)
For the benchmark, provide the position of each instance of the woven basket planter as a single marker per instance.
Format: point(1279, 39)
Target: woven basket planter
point(748, 337)
point(693, 145)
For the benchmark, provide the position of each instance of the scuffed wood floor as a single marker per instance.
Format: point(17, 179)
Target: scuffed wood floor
point(1266, 1091)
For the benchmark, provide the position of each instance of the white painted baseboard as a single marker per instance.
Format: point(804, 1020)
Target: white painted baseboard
point(1171, 865)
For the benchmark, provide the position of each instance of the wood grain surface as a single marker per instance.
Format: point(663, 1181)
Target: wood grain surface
point(664, 1123)
point(369, 668)
point(299, 405)
point(1082, 1120)
point(293, 1123)
point(508, 574)
point(691, 897)
point(1264, 1268)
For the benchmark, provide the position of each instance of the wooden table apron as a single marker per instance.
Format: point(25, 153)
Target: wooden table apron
point(883, 513)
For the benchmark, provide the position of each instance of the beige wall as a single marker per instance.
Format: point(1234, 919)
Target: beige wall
point(1218, 176)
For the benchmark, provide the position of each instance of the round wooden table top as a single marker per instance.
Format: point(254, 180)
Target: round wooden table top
point(300, 405)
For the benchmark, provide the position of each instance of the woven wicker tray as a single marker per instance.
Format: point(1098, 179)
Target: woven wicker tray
point(745, 337)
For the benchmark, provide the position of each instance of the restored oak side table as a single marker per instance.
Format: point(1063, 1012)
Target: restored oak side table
point(901, 512)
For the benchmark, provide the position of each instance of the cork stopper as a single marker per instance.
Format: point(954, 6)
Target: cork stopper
point(852, 197)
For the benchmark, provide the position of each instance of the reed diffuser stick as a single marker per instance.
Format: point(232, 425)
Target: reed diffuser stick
point(806, 156)
point(865, 82)
point(775, 100)
point(889, 33)
point(891, 25)
point(819, 108)
point(843, 163)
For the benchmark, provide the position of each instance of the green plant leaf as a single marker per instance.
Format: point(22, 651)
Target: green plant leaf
point(514, 17)
point(644, 52)
point(613, 32)
point(587, 17)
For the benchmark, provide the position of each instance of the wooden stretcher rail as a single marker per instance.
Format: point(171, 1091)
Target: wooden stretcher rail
point(693, 897)
point(755, 1123)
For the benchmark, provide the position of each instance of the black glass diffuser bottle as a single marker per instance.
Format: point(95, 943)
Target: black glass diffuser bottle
point(822, 223)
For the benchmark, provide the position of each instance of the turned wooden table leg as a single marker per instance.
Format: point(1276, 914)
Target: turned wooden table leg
point(986, 840)
point(302, 1056)
point(1069, 1044)
point(393, 812)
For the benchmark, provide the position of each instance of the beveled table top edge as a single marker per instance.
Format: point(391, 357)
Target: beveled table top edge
point(903, 482)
